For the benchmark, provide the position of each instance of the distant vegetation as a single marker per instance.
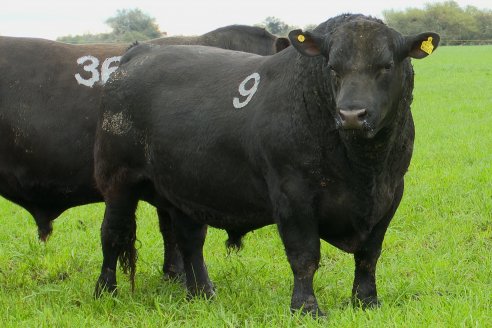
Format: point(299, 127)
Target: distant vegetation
point(276, 26)
point(127, 26)
point(456, 25)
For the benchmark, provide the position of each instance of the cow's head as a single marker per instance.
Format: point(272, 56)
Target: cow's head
point(365, 70)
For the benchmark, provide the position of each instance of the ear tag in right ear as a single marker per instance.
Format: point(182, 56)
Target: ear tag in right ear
point(301, 38)
point(427, 46)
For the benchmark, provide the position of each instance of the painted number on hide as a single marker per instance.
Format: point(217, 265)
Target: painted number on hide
point(248, 93)
point(91, 64)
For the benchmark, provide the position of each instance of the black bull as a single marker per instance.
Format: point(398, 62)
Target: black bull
point(49, 95)
point(315, 139)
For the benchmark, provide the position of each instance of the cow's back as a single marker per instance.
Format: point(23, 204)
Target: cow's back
point(251, 39)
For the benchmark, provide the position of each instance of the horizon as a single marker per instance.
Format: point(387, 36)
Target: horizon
point(51, 19)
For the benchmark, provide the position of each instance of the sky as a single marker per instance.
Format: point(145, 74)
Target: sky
point(50, 19)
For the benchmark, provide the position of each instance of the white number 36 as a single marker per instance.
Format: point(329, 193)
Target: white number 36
point(246, 93)
point(91, 66)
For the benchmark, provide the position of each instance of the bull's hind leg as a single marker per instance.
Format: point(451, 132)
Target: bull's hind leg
point(118, 234)
point(191, 237)
point(173, 262)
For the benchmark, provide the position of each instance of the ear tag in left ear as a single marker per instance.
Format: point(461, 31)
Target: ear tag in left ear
point(427, 46)
point(301, 38)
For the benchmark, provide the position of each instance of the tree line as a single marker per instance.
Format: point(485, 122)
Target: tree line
point(456, 25)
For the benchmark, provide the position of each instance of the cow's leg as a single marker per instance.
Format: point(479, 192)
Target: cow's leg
point(118, 234)
point(299, 232)
point(191, 237)
point(364, 291)
point(173, 261)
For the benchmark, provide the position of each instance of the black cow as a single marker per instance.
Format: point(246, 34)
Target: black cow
point(315, 139)
point(245, 38)
point(49, 95)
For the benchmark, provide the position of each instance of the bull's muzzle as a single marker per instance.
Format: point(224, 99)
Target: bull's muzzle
point(352, 119)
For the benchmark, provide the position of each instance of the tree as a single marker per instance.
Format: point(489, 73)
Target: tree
point(127, 26)
point(483, 21)
point(453, 23)
point(275, 26)
point(131, 25)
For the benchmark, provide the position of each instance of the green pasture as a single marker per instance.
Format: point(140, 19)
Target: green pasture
point(435, 269)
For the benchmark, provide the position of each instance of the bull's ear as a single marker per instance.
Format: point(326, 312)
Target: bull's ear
point(307, 43)
point(281, 44)
point(422, 45)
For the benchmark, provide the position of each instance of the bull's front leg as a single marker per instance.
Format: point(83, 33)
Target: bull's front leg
point(364, 292)
point(303, 253)
point(299, 232)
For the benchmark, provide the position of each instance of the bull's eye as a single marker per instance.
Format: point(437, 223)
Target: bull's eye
point(385, 69)
point(388, 66)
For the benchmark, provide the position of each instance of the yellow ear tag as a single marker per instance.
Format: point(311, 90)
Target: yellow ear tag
point(301, 38)
point(427, 46)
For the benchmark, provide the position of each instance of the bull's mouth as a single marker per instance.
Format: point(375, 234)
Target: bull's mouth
point(354, 122)
point(364, 130)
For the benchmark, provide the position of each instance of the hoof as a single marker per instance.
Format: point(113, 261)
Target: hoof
point(307, 307)
point(207, 292)
point(175, 276)
point(313, 313)
point(366, 303)
point(106, 284)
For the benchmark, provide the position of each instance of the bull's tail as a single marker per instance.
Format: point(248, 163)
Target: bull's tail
point(128, 259)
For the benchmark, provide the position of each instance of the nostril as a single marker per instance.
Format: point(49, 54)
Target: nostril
point(361, 112)
point(341, 113)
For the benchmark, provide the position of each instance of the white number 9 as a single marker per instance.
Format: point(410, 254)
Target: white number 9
point(246, 93)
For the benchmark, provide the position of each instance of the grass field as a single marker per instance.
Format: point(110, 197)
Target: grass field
point(435, 269)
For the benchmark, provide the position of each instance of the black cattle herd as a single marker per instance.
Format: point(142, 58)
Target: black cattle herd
point(235, 129)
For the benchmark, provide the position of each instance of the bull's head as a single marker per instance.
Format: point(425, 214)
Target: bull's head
point(365, 69)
